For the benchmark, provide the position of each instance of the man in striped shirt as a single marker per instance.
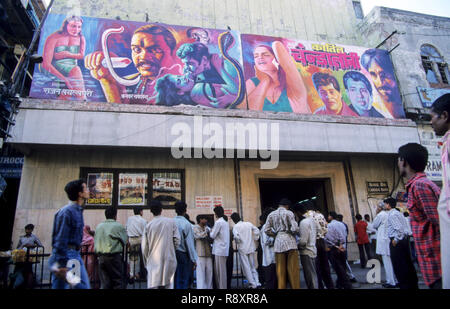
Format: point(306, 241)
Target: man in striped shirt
point(423, 199)
point(397, 231)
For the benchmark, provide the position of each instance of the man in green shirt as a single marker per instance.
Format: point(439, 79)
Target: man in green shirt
point(110, 237)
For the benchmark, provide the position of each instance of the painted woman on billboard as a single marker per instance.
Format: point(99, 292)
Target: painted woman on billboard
point(277, 84)
point(62, 49)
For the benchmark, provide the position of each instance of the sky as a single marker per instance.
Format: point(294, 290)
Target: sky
point(431, 7)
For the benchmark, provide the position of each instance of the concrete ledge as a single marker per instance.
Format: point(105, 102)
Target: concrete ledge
point(115, 125)
point(29, 103)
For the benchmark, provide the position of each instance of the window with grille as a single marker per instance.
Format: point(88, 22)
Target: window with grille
point(434, 65)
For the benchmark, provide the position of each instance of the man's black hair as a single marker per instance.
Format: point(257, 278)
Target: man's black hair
point(333, 214)
point(235, 217)
point(159, 30)
point(442, 104)
point(111, 213)
point(29, 227)
point(155, 207)
point(180, 207)
point(137, 210)
point(324, 79)
point(193, 50)
point(357, 76)
point(390, 201)
point(301, 207)
point(415, 155)
point(73, 188)
point(200, 217)
point(358, 217)
point(380, 56)
point(285, 202)
point(218, 210)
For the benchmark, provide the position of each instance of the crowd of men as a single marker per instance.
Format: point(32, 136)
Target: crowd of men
point(290, 235)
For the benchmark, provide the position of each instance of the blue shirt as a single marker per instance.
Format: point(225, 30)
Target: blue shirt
point(336, 234)
point(186, 237)
point(67, 230)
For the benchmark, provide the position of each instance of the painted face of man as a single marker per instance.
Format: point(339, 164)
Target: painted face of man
point(359, 96)
point(192, 67)
point(74, 27)
point(383, 81)
point(439, 123)
point(149, 53)
point(331, 97)
point(264, 59)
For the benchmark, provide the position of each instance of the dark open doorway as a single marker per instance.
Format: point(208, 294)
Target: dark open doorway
point(272, 190)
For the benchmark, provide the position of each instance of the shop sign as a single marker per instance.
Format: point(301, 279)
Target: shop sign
point(11, 167)
point(430, 141)
point(429, 95)
point(208, 202)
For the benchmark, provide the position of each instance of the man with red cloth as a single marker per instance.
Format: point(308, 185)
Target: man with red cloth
point(363, 240)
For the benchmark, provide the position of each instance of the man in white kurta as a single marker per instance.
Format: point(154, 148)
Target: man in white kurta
point(245, 234)
point(221, 246)
point(382, 247)
point(159, 241)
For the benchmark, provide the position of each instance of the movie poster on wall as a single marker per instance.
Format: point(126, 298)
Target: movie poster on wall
point(115, 61)
point(284, 75)
point(132, 189)
point(100, 187)
point(102, 60)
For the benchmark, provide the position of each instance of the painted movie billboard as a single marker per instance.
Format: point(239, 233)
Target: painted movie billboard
point(286, 75)
point(101, 60)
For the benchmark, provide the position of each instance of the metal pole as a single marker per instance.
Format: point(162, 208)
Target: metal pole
point(386, 39)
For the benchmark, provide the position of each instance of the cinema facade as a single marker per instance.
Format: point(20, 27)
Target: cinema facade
point(133, 150)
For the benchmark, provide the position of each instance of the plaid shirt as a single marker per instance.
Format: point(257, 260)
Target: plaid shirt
point(423, 198)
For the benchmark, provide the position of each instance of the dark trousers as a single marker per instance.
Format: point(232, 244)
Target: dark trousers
point(110, 270)
point(309, 271)
point(362, 256)
point(183, 271)
point(338, 261)
point(403, 267)
point(270, 276)
point(322, 266)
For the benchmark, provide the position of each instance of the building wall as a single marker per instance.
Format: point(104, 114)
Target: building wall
point(46, 172)
point(325, 20)
point(370, 169)
point(414, 30)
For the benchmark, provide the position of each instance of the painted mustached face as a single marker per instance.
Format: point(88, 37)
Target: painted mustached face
point(148, 52)
point(382, 80)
